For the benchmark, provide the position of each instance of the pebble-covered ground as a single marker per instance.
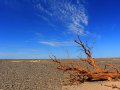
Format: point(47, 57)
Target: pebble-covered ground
point(42, 75)
point(37, 74)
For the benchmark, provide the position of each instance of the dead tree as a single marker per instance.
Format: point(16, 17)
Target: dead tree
point(80, 75)
point(87, 51)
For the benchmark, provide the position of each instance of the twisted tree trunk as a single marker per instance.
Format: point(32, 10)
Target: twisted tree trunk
point(87, 51)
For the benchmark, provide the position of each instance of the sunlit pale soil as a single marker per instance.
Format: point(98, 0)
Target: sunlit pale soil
point(104, 85)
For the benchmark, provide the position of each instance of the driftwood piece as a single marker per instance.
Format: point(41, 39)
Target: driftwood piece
point(80, 75)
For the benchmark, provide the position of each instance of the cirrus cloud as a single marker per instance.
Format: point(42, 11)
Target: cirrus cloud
point(70, 12)
point(56, 43)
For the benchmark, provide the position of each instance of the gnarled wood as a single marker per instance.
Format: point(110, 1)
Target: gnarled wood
point(80, 75)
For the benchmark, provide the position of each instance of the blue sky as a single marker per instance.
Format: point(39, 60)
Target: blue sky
point(37, 28)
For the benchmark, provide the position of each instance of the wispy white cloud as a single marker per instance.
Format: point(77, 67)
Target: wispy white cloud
point(71, 12)
point(55, 44)
point(39, 34)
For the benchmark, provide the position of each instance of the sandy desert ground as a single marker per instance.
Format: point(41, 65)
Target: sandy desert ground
point(43, 75)
point(104, 85)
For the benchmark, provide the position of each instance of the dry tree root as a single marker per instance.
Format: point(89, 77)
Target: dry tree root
point(80, 75)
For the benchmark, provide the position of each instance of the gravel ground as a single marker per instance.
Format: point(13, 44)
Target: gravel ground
point(37, 74)
point(29, 76)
